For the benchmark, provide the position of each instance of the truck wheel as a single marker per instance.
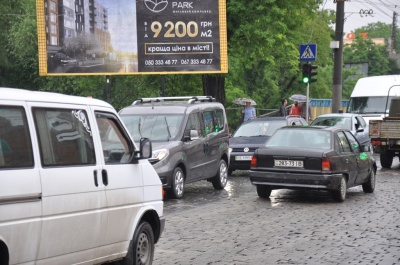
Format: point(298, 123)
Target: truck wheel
point(141, 248)
point(177, 185)
point(369, 186)
point(220, 180)
point(386, 160)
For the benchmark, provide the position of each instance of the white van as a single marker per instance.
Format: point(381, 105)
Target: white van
point(371, 96)
point(74, 187)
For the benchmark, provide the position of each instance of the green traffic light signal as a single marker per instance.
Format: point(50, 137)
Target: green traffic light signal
point(306, 73)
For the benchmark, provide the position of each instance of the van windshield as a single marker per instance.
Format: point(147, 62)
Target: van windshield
point(365, 105)
point(159, 128)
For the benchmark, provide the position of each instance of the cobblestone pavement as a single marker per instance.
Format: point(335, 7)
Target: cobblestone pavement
point(235, 227)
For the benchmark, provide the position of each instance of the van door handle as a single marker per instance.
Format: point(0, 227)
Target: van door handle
point(95, 178)
point(104, 176)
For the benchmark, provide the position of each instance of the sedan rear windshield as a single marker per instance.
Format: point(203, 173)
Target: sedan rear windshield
point(264, 128)
point(343, 122)
point(298, 138)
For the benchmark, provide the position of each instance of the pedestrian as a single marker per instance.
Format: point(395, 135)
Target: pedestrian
point(282, 110)
point(303, 111)
point(295, 109)
point(248, 112)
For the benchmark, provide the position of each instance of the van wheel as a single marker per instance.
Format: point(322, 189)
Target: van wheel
point(220, 180)
point(141, 248)
point(177, 185)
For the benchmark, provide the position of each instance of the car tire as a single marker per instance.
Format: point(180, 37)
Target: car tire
point(141, 248)
point(386, 160)
point(339, 195)
point(220, 180)
point(178, 183)
point(263, 191)
point(369, 186)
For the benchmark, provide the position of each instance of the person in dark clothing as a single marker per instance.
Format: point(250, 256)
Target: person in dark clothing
point(282, 111)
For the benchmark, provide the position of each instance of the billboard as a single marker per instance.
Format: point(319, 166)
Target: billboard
point(127, 37)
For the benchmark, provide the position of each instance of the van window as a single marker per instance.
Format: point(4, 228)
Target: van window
point(209, 122)
point(15, 142)
point(194, 123)
point(65, 137)
point(115, 145)
point(220, 119)
point(162, 127)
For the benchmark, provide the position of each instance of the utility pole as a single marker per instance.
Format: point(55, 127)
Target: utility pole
point(338, 58)
point(393, 40)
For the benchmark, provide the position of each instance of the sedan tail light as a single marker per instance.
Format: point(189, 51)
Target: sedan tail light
point(253, 161)
point(326, 165)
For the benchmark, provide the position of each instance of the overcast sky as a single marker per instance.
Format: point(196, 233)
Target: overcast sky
point(382, 11)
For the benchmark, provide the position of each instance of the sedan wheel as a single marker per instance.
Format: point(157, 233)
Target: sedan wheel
point(369, 186)
point(220, 180)
point(340, 194)
point(177, 185)
point(263, 191)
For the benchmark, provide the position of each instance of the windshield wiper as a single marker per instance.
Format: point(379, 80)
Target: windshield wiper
point(169, 133)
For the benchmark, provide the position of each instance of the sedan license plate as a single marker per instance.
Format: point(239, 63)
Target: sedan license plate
point(288, 163)
point(241, 158)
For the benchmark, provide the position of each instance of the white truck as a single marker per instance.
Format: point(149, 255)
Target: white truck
point(371, 96)
point(385, 134)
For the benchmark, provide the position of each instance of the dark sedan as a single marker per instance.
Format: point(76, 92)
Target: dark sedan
point(254, 134)
point(313, 157)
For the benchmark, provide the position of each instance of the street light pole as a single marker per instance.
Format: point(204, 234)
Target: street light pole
point(338, 58)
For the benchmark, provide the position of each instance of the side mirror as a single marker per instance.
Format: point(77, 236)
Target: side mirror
point(360, 129)
point(145, 148)
point(194, 135)
point(366, 148)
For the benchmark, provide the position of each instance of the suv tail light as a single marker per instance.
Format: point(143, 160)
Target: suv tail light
point(326, 165)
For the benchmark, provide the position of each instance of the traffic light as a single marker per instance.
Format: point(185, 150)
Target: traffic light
point(312, 73)
point(306, 73)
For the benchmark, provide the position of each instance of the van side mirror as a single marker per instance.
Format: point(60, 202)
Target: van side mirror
point(194, 135)
point(145, 150)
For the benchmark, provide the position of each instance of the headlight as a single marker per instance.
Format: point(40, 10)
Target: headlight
point(160, 154)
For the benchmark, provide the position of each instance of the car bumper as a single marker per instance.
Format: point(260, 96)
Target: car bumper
point(296, 180)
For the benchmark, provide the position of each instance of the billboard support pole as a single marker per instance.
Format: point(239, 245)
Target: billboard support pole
point(108, 92)
point(163, 85)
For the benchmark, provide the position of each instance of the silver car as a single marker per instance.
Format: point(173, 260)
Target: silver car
point(350, 121)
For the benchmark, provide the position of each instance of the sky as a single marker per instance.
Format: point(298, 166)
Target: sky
point(382, 10)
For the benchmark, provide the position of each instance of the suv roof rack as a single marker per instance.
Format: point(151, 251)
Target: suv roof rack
point(190, 99)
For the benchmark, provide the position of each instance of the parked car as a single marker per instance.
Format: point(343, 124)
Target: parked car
point(322, 158)
point(190, 139)
point(254, 134)
point(74, 187)
point(350, 121)
point(58, 58)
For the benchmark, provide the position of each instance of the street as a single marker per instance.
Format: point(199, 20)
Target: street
point(235, 227)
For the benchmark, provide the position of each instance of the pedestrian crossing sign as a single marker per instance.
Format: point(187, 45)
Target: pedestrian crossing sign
point(308, 52)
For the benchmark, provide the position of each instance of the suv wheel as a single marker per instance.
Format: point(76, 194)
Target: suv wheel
point(177, 185)
point(220, 180)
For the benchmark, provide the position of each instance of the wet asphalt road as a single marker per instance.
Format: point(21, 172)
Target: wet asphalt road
point(235, 227)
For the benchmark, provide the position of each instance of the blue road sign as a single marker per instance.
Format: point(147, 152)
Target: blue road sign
point(308, 52)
